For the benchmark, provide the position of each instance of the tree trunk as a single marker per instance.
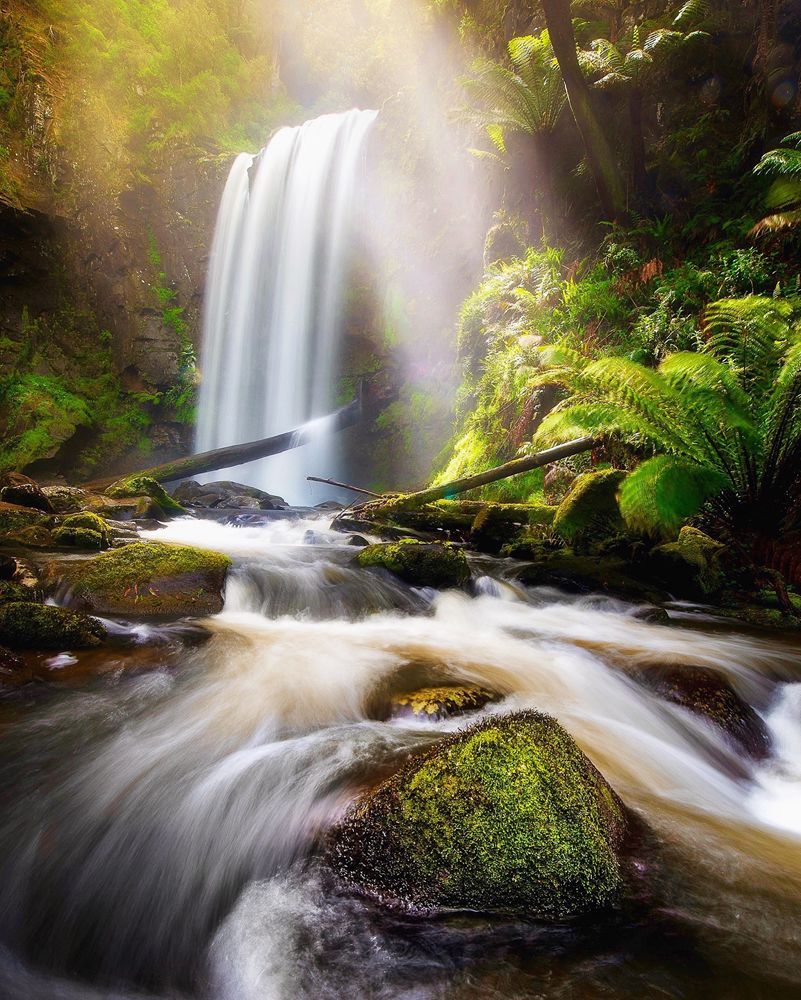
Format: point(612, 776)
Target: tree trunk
point(598, 149)
point(409, 501)
point(238, 454)
point(638, 173)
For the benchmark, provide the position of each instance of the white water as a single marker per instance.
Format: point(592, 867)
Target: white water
point(273, 318)
point(170, 839)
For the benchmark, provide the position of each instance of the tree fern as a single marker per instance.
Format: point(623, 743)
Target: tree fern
point(783, 166)
point(718, 432)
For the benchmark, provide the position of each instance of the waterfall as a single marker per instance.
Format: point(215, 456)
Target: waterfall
point(273, 320)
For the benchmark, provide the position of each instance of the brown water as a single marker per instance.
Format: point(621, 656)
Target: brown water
point(160, 820)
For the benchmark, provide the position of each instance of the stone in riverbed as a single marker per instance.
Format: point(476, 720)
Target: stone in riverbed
point(708, 693)
point(27, 495)
point(508, 815)
point(139, 486)
point(151, 579)
point(420, 564)
point(83, 531)
point(432, 704)
point(590, 513)
point(691, 566)
point(39, 626)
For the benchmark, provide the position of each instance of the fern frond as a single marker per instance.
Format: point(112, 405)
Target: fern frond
point(777, 222)
point(780, 162)
point(665, 491)
point(692, 13)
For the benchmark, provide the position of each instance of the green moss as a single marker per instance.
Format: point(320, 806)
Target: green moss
point(14, 518)
point(690, 566)
point(15, 592)
point(88, 521)
point(152, 579)
point(589, 514)
point(137, 486)
point(420, 564)
point(35, 626)
point(507, 815)
point(434, 703)
point(79, 538)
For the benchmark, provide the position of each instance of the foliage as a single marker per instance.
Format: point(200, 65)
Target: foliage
point(528, 97)
point(722, 426)
point(783, 167)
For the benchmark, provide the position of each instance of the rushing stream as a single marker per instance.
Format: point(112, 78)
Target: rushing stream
point(159, 825)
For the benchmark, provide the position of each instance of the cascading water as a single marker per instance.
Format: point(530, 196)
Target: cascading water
point(274, 307)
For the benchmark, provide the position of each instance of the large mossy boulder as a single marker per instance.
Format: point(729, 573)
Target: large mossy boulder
point(432, 704)
point(139, 486)
point(508, 815)
point(152, 579)
point(420, 564)
point(708, 693)
point(39, 626)
point(692, 566)
point(590, 513)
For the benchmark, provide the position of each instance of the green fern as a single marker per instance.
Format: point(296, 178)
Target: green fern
point(783, 166)
point(718, 432)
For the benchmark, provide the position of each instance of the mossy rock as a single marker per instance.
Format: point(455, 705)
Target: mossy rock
point(508, 815)
point(708, 693)
point(35, 536)
point(84, 531)
point(137, 486)
point(67, 499)
point(420, 564)
point(581, 574)
point(14, 518)
point(692, 566)
point(432, 704)
point(152, 579)
point(590, 513)
point(15, 592)
point(39, 626)
point(79, 538)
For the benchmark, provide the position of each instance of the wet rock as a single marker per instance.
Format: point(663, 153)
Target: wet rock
point(139, 486)
point(224, 493)
point(10, 664)
point(39, 626)
point(72, 500)
point(433, 704)
point(508, 815)
point(329, 505)
point(652, 615)
point(589, 513)
point(83, 531)
point(580, 574)
point(243, 503)
point(27, 495)
point(151, 579)
point(16, 479)
point(356, 541)
point(35, 536)
point(692, 566)
point(708, 693)
point(420, 564)
point(8, 567)
point(15, 518)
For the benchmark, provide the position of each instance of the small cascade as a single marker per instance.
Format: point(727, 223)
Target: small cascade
point(273, 320)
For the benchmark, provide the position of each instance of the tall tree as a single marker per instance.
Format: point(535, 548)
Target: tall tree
point(598, 149)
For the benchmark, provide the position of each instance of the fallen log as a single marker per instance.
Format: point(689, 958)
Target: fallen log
point(240, 454)
point(410, 501)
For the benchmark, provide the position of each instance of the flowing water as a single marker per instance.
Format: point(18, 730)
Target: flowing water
point(161, 825)
point(274, 307)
